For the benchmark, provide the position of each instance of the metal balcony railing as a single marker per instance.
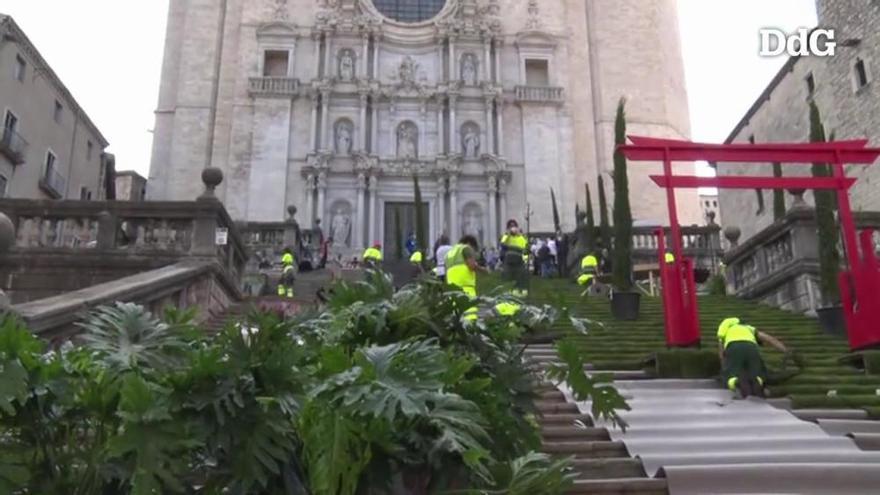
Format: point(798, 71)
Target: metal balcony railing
point(13, 146)
point(53, 183)
point(273, 86)
point(540, 94)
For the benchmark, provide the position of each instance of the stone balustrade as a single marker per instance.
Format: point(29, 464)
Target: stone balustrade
point(539, 94)
point(273, 86)
point(702, 243)
point(779, 265)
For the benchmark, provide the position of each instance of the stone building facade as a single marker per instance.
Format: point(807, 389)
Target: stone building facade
point(49, 148)
point(846, 89)
point(333, 105)
point(130, 186)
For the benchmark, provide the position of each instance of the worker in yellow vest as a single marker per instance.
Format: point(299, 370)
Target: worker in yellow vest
point(514, 257)
point(373, 256)
point(743, 368)
point(669, 258)
point(589, 269)
point(416, 261)
point(285, 284)
point(462, 266)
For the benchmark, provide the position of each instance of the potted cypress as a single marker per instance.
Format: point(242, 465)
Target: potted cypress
point(624, 301)
point(831, 312)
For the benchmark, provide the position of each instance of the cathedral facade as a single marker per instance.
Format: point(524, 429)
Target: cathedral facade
point(333, 106)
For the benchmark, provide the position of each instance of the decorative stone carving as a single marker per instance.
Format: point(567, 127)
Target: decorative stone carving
point(340, 223)
point(470, 140)
point(469, 69)
point(407, 72)
point(281, 12)
point(344, 132)
point(472, 221)
point(407, 140)
point(346, 68)
point(534, 20)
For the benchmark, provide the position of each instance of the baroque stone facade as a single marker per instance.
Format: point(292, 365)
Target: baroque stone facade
point(844, 87)
point(333, 105)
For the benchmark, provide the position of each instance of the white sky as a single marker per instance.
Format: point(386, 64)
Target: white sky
point(109, 54)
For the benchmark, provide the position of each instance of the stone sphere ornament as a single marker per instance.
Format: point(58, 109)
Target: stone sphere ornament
point(732, 234)
point(211, 177)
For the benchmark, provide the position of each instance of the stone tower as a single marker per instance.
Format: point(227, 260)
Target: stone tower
point(333, 105)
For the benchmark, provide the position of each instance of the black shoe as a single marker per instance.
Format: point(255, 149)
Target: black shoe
point(757, 388)
point(743, 386)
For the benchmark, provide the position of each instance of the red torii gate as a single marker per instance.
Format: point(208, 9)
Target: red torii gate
point(858, 285)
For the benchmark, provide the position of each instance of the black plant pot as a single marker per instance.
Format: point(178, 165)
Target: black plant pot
point(831, 320)
point(701, 275)
point(625, 305)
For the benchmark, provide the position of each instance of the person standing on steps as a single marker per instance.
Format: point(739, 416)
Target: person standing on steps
point(285, 285)
point(514, 247)
point(440, 251)
point(743, 369)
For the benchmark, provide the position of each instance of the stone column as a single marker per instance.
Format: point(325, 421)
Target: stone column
point(502, 199)
point(492, 232)
point(325, 114)
point(441, 204)
point(497, 44)
point(490, 131)
point(362, 135)
point(374, 138)
point(313, 136)
point(316, 38)
point(441, 131)
point(373, 228)
point(376, 56)
point(361, 212)
point(310, 200)
point(453, 69)
point(453, 208)
point(365, 56)
point(329, 56)
point(322, 194)
point(453, 146)
point(499, 110)
point(487, 60)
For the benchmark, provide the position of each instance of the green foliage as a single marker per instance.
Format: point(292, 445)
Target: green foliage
point(382, 388)
point(591, 221)
point(604, 225)
point(778, 195)
point(623, 222)
point(717, 285)
point(826, 224)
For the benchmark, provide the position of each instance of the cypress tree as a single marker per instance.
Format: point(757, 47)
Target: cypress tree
point(556, 223)
point(591, 222)
point(826, 226)
point(622, 264)
point(604, 227)
point(778, 195)
point(421, 236)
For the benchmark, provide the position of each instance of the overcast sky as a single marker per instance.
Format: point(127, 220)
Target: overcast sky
point(109, 54)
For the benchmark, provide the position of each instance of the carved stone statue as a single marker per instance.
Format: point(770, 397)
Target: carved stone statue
point(471, 142)
point(340, 227)
point(469, 69)
point(407, 70)
point(472, 223)
point(407, 140)
point(346, 65)
point(344, 132)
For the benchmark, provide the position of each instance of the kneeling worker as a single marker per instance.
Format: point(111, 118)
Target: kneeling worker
point(462, 266)
point(589, 269)
point(743, 368)
point(285, 285)
point(373, 256)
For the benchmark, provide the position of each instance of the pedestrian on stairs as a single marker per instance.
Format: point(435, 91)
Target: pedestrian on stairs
point(514, 252)
point(743, 368)
point(285, 284)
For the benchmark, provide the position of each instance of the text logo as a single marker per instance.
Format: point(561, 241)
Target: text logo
point(803, 42)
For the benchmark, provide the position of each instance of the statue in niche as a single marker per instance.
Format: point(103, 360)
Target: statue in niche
point(407, 140)
point(469, 69)
point(344, 133)
point(407, 70)
point(346, 65)
point(340, 227)
point(471, 141)
point(472, 223)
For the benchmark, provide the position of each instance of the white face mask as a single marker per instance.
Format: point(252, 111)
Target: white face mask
point(514, 230)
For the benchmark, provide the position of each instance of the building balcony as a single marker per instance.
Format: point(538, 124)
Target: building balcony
point(53, 183)
point(539, 94)
point(273, 86)
point(13, 146)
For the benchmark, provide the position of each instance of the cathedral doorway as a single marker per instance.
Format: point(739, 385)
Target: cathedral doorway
point(400, 223)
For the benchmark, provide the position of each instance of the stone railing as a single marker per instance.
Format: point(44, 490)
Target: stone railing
point(539, 94)
point(187, 284)
point(780, 265)
point(60, 246)
point(702, 243)
point(273, 86)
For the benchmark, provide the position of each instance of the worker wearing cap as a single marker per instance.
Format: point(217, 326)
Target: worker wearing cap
point(373, 256)
point(589, 269)
point(285, 284)
point(743, 368)
point(514, 257)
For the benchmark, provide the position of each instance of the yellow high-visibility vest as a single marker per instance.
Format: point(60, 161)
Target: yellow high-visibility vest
point(517, 242)
point(458, 273)
point(287, 259)
point(416, 258)
point(731, 330)
point(589, 263)
point(372, 254)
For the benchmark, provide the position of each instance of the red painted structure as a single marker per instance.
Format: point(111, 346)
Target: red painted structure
point(860, 283)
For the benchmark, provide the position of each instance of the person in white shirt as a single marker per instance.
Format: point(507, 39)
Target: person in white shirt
point(443, 248)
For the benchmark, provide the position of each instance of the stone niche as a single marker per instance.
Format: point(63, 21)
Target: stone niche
point(341, 226)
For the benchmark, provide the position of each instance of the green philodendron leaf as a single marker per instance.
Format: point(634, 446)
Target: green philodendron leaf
point(13, 385)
